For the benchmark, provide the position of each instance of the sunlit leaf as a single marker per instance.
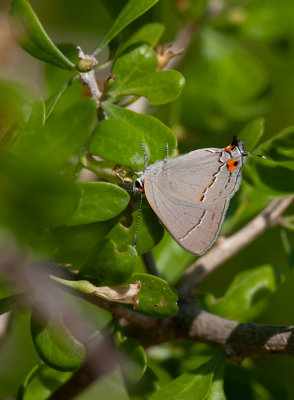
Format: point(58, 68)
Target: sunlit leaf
point(99, 201)
point(118, 138)
point(159, 87)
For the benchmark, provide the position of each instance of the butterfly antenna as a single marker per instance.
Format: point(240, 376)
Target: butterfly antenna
point(138, 219)
point(256, 155)
point(145, 155)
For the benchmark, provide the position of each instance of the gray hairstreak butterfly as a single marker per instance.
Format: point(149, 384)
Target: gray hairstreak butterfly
point(190, 194)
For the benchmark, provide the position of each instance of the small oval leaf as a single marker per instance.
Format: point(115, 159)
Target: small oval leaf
point(99, 201)
point(108, 266)
point(126, 129)
point(196, 385)
point(159, 87)
point(56, 346)
point(135, 62)
point(156, 297)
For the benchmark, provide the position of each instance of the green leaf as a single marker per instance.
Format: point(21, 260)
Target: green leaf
point(248, 288)
point(225, 81)
point(11, 105)
point(53, 100)
point(269, 176)
point(32, 37)
point(56, 346)
point(33, 197)
point(148, 232)
point(41, 382)
point(132, 10)
point(156, 298)
point(149, 33)
point(73, 244)
point(56, 79)
point(196, 386)
point(280, 148)
point(32, 122)
point(62, 136)
point(287, 248)
point(217, 387)
point(275, 173)
point(107, 266)
point(99, 201)
point(64, 139)
point(143, 389)
point(7, 303)
point(118, 138)
point(134, 62)
point(159, 87)
point(266, 20)
point(252, 133)
point(133, 360)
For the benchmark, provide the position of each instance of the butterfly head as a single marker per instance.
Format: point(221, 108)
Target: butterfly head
point(139, 185)
point(238, 144)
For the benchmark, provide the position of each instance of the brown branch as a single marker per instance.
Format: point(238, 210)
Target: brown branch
point(237, 340)
point(225, 248)
point(241, 340)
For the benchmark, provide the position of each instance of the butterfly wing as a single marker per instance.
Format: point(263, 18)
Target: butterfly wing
point(190, 195)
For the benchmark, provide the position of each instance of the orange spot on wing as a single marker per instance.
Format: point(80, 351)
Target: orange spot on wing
point(229, 148)
point(232, 164)
point(201, 197)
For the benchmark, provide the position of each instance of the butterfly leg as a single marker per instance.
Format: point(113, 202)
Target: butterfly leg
point(138, 219)
point(145, 155)
point(167, 153)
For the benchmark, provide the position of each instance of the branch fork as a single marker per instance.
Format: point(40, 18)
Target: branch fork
point(87, 75)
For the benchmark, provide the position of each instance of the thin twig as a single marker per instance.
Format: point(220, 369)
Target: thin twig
point(225, 248)
point(88, 78)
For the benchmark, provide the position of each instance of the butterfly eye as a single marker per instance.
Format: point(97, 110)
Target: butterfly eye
point(139, 185)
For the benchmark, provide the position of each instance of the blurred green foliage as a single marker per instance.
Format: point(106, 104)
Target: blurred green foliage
point(235, 77)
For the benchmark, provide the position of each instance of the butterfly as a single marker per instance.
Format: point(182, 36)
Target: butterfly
point(190, 194)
